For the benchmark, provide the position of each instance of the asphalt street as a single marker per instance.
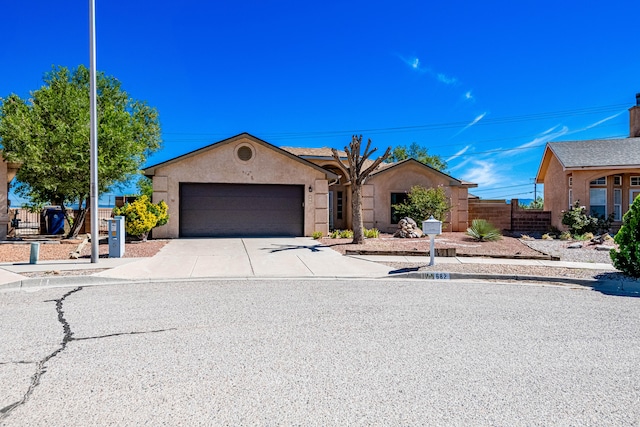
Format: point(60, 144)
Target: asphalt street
point(319, 352)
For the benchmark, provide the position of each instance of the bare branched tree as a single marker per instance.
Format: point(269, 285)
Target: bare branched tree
point(358, 174)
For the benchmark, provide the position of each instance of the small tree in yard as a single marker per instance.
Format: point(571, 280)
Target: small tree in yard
point(141, 216)
point(358, 174)
point(422, 203)
point(49, 135)
point(627, 258)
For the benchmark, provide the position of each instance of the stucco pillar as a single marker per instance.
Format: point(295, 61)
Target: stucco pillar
point(4, 205)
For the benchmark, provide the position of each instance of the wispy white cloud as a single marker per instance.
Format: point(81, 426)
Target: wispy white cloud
point(447, 79)
point(458, 154)
point(598, 123)
point(538, 141)
point(473, 122)
point(483, 173)
point(469, 96)
point(415, 64)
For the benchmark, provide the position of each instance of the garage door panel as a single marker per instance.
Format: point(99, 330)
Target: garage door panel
point(241, 210)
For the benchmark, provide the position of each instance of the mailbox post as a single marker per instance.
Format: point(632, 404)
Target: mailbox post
point(116, 237)
point(431, 227)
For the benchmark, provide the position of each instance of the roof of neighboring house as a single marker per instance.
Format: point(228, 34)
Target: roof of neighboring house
point(150, 170)
point(313, 152)
point(453, 181)
point(592, 154)
point(597, 152)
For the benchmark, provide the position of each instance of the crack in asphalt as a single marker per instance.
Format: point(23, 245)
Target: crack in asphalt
point(67, 338)
point(41, 365)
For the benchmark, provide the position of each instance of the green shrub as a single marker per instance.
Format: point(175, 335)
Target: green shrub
point(373, 233)
point(579, 222)
point(627, 258)
point(346, 234)
point(422, 203)
point(317, 234)
point(482, 231)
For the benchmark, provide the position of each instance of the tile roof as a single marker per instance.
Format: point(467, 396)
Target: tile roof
point(598, 152)
point(312, 152)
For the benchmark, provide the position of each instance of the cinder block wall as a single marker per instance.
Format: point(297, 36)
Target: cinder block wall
point(510, 217)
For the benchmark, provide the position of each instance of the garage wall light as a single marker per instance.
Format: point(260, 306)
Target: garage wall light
point(310, 189)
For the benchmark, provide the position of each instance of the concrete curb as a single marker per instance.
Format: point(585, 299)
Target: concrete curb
point(614, 287)
point(44, 282)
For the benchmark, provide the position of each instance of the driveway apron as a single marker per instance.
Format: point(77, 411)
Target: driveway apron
point(247, 257)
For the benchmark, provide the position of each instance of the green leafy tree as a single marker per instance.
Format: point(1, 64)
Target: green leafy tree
point(627, 258)
point(141, 216)
point(145, 187)
point(357, 172)
point(50, 135)
point(423, 202)
point(419, 153)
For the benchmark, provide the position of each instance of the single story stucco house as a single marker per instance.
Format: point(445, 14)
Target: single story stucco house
point(601, 174)
point(244, 186)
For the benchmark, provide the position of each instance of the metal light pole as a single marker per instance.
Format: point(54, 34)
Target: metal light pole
point(94, 135)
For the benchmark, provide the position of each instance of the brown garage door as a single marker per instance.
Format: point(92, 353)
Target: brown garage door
point(216, 210)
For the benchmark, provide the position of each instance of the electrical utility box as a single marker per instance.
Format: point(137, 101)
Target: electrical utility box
point(116, 237)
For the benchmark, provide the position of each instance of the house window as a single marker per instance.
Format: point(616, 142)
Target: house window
point(635, 181)
point(570, 181)
point(600, 181)
point(397, 198)
point(598, 198)
point(617, 180)
point(617, 204)
point(339, 206)
point(570, 198)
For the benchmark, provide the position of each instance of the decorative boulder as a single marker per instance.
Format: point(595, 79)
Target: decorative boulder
point(408, 229)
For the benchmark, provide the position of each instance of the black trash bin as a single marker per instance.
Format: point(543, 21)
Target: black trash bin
point(55, 221)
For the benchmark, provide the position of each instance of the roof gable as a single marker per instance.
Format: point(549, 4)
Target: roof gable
point(452, 181)
point(150, 170)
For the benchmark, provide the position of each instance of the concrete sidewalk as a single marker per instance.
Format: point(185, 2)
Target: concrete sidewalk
point(243, 258)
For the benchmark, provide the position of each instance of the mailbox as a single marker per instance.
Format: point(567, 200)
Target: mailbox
point(432, 226)
point(116, 237)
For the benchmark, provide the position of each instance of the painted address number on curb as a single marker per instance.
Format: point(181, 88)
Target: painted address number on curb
point(436, 276)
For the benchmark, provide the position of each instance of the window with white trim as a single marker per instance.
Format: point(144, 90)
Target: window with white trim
point(617, 204)
point(635, 181)
point(598, 201)
point(570, 181)
point(600, 181)
point(570, 198)
point(617, 180)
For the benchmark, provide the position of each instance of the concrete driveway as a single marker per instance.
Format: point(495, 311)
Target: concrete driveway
point(246, 257)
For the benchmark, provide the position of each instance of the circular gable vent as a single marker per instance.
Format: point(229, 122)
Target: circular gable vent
point(245, 153)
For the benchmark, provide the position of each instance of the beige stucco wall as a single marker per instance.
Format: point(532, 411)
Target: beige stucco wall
point(400, 179)
point(220, 164)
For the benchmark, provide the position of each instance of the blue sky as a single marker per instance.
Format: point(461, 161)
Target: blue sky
point(483, 84)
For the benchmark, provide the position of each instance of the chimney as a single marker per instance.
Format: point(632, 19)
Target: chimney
point(634, 118)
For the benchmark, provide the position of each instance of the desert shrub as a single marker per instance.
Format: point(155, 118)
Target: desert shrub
point(483, 231)
point(565, 235)
point(317, 234)
point(627, 257)
point(421, 203)
point(579, 222)
point(372, 233)
point(346, 234)
point(140, 216)
point(547, 236)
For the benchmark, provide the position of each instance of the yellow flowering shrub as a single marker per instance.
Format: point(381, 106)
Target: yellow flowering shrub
point(141, 216)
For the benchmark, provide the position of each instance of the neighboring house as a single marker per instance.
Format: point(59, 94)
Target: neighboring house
point(602, 174)
point(7, 173)
point(244, 186)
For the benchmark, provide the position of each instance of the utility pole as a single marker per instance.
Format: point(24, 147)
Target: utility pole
point(95, 238)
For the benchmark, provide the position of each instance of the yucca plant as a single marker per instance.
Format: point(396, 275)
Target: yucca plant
point(482, 231)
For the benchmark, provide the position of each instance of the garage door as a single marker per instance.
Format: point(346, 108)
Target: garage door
point(217, 210)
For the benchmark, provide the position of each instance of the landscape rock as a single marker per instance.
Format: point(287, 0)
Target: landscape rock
point(576, 245)
point(604, 248)
point(408, 229)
